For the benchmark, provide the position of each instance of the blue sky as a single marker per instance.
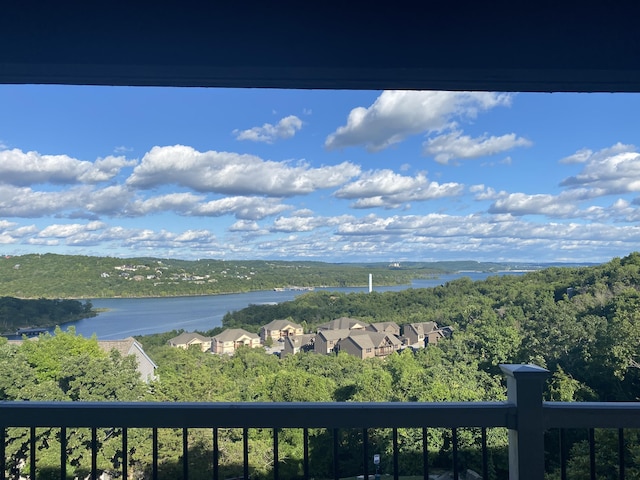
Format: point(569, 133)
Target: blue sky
point(318, 175)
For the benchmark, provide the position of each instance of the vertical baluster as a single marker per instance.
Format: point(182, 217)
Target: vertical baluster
point(216, 454)
point(621, 452)
point(592, 454)
point(3, 461)
point(154, 453)
point(336, 475)
point(305, 448)
point(185, 453)
point(94, 453)
point(563, 454)
point(425, 454)
point(275, 454)
point(32, 444)
point(454, 440)
point(63, 453)
point(365, 453)
point(245, 452)
point(396, 470)
point(485, 454)
point(125, 454)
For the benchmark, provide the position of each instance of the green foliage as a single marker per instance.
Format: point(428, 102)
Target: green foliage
point(17, 313)
point(76, 276)
point(583, 324)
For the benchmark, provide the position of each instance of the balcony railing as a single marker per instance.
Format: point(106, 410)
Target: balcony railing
point(524, 414)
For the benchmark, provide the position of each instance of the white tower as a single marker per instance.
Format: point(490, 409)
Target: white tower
point(370, 282)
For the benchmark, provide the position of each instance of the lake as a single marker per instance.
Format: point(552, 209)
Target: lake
point(142, 316)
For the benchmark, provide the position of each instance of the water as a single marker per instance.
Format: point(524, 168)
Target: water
point(142, 316)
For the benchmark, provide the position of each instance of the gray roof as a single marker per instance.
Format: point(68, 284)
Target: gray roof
point(300, 340)
point(187, 337)
point(334, 334)
point(234, 334)
point(342, 323)
point(280, 325)
point(423, 328)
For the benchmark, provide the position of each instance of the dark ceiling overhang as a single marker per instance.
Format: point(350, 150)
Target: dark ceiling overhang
point(515, 46)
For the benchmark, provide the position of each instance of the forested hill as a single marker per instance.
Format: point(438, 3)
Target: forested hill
point(73, 276)
point(17, 313)
point(583, 324)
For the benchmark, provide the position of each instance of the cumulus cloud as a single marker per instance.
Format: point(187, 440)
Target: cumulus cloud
point(385, 188)
point(306, 223)
point(608, 174)
point(585, 155)
point(455, 145)
point(27, 168)
point(244, 208)
point(234, 174)
point(268, 133)
point(396, 115)
point(244, 226)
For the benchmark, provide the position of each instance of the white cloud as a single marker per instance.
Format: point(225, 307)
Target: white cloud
point(385, 188)
point(585, 155)
point(244, 226)
point(27, 168)
point(69, 230)
point(396, 115)
point(306, 223)
point(268, 133)
point(608, 174)
point(235, 174)
point(455, 145)
point(245, 208)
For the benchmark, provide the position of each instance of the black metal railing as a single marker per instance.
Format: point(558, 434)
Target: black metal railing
point(527, 418)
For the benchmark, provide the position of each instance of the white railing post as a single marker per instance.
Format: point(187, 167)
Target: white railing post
point(526, 440)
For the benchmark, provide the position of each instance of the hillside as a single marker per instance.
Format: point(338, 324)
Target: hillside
point(74, 276)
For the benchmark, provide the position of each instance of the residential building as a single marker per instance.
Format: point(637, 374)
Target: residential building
point(232, 339)
point(369, 344)
point(343, 323)
point(278, 329)
point(299, 343)
point(415, 333)
point(191, 339)
point(130, 346)
point(391, 328)
point(326, 340)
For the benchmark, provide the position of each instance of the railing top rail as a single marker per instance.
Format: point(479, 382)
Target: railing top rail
point(591, 414)
point(257, 415)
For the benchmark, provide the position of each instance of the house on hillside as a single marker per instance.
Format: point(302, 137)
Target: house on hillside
point(326, 340)
point(190, 339)
point(369, 344)
point(130, 346)
point(299, 343)
point(278, 329)
point(343, 323)
point(232, 339)
point(427, 333)
point(391, 328)
point(417, 332)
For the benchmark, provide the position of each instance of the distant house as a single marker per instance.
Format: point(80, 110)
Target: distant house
point(326, 340)
point(417, 332)
point(190, 339)
point(232, 339)
point(299, 343)
point(130, 346)
point(369, 344)
point(391, 328)
point(343, 323)
point(278, 329)
point(427, 333)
